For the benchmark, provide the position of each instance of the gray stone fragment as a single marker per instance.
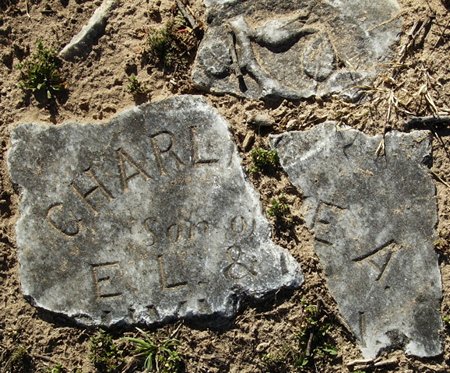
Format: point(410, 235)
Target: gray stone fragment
point(82, 42)
point(143, 219)
point(373, 219)
point(294, 49)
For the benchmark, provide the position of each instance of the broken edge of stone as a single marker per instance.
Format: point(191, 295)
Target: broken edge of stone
point(216, 320)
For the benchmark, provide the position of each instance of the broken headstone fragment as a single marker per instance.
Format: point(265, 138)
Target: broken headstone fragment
point(294, 49)
point(143, 219)
point(82, 42)
point(373, 215)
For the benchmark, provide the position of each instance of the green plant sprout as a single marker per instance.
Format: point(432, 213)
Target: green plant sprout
point(104, 353)
point(135, 87)
point(278, 207)
point(314, 340)
point(19, 361)
point(311, 346)
point(263, 160)
point(160, 357)
point(58, 368)
point(40, 73)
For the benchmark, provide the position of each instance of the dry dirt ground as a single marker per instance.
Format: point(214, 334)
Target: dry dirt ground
point(263, 337)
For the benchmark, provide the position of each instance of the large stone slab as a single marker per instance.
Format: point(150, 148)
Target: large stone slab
point(143, 219)
point(294, 49)
point(373, 215)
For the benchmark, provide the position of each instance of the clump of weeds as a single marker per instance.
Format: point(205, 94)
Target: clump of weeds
point(155, 355)
point(105, 355)
point(312, 347)
point(137, 89)
point(40, 74)
point(19, 361)
point(172, 46)
point(58, 368)
point(279, 208)
point(446, 320)
point(316, 345)
point(263, 160)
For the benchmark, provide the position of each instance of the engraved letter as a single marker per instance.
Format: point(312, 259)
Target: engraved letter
point(379, 261)
point(127, 163)
point(148, 225)
point(58, 219)
point(174, 232)
point(86, 188)
point(170, 278)
point(237, 269)
point(105, 276)
point(362, 327)
point(240, 227)
point(202, 228)
point(162, 143)
point(195, 156)
point(325, 222)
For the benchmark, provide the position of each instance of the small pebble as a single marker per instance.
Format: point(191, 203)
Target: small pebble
point(248, 141)
point(291, 124)
point(261, 120)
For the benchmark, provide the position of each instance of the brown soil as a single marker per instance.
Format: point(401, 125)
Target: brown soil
point(97, 89)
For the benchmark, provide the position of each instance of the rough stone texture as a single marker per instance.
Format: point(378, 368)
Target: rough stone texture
point(141, 220)
point(82, 42)
point(373, 218)
point(294, 49)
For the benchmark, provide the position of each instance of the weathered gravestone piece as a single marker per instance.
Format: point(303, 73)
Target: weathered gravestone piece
point(373, 218)
point(294, 49)
point(81, 43)
point(143, 219)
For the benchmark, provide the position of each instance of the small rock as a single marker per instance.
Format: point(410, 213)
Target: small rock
point(81, 44)
point(291, 124)
point(261, 120)
point(248, 141)
point(262, 346)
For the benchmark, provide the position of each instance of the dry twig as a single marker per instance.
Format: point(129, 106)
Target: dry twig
point(440, 179)
point(187, 15)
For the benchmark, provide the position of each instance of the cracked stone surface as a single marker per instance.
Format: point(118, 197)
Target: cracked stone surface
point(373, 218)
point(144, 219)
point(294, 49)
